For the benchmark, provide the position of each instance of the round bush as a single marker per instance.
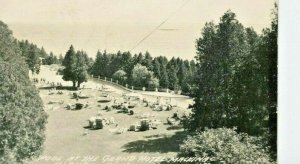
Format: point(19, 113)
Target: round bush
point(225, 145)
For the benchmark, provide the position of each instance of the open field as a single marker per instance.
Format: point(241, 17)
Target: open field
point(67, 134)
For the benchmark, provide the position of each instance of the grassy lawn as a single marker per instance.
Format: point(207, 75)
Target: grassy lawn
point(66, 135)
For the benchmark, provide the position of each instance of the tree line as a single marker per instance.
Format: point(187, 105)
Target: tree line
point(143, 70)
point(36, 56)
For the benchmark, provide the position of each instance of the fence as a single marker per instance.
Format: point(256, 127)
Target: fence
point(127, 87)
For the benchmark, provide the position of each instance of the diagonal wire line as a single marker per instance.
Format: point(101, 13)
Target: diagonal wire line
point(157, 27)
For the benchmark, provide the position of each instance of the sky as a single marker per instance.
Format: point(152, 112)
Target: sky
point(113, 25)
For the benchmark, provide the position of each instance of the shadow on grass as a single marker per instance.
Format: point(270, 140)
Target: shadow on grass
point(156, 143)
point(70, 88)
point(90, 128)
point(175, 127)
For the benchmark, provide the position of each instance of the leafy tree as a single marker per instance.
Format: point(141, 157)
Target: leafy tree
point(193, 67)
point(75, 67)
point(115, 63)
point(106, 61)
point(147, 61)
point(24, 47)
point(139, 59)
point(237, 79)
point(153, 83)
point(43, 53)
point(268, 54)
point(172, 64)
point(156, 68)
point(182, 73)
point(96, 68)
point(88, 61)
point(51, 59)
point(222, 51)
point(127, 63)
point(33, 60)
point(172, 77)
point(81, 68)
point(141, 76)
point(60, 59)
point(185, 77)
point(272, 79)
point(164, 79)
point(32, 54)
point(22, 118)
point(120, 75)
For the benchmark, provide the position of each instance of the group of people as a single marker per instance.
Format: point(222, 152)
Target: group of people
point(36, 80)
point(43, 80)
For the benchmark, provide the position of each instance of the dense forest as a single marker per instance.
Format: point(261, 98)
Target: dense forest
point(175, 74)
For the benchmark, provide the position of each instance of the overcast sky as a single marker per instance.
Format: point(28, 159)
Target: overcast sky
point(120, 24)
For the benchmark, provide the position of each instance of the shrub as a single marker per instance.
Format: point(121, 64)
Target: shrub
point(22, 118)
point(225, 145)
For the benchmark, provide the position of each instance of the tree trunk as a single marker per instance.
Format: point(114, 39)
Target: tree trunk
point(78, 84)
point(74, 83)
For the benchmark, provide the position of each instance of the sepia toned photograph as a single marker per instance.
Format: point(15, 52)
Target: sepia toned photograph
point(138, 81)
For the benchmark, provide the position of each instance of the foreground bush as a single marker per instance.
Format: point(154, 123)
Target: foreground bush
point(22, 118)
point(224, 145)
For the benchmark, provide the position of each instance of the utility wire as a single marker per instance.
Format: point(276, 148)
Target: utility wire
point(157, 27)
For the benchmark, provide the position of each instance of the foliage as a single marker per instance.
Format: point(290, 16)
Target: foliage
point(164, 78)
point(172, 77)
point(142, 77)
point(219, 50)
point(69, 63)
point(224, 145)
point(76, 66)
point(236, 79)
point(120, 75)
point(22, 118)
point(51, 59)
point(230, 80)
point(269, 47)
point(153, 83)
point(82, 63)
point(106, 64)
point(33, 60)
point(33, 55)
